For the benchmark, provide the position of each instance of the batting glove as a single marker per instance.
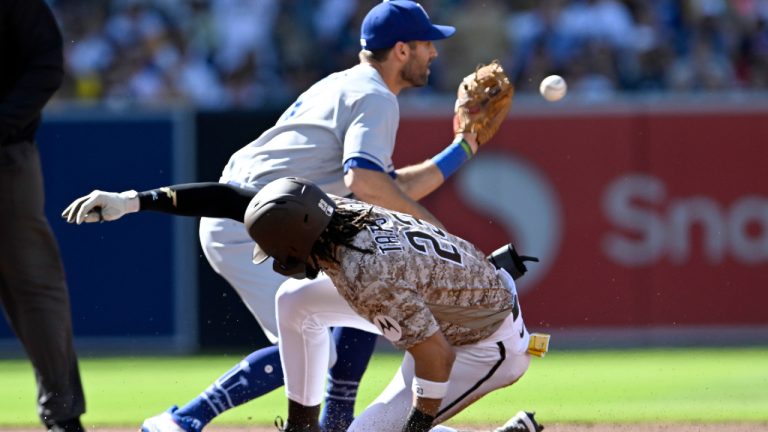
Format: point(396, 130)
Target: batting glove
point(100, 206)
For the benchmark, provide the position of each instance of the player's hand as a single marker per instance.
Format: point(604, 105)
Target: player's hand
point(100, 206)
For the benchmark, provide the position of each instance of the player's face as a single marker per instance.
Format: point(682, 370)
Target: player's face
point(416, 70)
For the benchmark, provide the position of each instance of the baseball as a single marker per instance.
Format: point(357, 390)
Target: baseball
point(553, 88)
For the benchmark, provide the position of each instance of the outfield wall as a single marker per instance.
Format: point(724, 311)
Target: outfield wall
point(132, 283)
point(651, 220)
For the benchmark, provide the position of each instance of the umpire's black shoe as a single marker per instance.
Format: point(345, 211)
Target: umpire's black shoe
point(71, 425)
point(523, 421)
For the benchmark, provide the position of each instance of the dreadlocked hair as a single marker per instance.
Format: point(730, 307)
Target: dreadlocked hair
point(345, 224)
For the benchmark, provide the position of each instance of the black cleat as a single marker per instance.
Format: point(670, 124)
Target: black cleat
point(523, 421)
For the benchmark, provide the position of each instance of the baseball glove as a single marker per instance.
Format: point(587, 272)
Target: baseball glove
point(483, 101)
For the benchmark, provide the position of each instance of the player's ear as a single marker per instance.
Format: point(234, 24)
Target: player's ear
point(401, 50)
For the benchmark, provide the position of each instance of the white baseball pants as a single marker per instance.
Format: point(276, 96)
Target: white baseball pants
point(229, 250)
point(306, 309)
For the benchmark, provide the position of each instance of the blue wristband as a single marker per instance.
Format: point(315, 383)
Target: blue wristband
point(452, 157)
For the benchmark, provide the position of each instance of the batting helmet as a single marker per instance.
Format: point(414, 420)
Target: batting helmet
point(285, 219)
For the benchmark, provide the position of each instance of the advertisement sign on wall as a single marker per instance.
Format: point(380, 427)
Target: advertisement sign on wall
point(641, 220)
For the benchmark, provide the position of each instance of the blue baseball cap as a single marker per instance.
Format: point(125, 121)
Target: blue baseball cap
point(395, 21)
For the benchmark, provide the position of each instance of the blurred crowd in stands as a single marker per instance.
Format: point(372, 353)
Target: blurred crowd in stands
point(260, 53)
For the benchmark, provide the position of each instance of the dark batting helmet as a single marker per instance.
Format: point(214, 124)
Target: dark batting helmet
point(285, 219)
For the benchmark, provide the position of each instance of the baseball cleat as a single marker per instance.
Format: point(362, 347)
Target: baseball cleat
point(169, 421)
point(523, 421)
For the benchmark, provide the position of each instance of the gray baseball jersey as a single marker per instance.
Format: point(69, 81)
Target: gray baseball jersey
point(348, 114)
point(419, 279)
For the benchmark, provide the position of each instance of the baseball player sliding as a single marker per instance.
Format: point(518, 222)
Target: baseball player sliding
point(431, 293)
point(340, 134)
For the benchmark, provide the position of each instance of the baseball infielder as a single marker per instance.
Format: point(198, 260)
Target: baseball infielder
point(340, 134)
point(427, 291)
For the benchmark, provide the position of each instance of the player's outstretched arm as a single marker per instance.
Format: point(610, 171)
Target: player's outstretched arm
point(482, 103)
point(191, 199)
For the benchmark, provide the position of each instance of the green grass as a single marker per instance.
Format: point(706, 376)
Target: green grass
point(680, 385)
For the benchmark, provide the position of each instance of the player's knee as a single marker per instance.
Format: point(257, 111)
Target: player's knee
point(290, 305)
point(514, 370)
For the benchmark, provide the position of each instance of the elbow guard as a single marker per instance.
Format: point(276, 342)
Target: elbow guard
point(507, 258)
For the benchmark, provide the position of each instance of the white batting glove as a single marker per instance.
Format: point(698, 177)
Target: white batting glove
point(100, 206)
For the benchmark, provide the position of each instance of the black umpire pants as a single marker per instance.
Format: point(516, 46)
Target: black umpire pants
point(33, 288)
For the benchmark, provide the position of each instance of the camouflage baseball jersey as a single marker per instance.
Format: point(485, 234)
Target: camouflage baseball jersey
point(419, 279)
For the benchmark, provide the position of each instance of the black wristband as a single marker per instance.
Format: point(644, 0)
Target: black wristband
point(418, 421)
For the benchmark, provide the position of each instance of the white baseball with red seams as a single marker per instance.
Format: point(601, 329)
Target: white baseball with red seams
point(553, 88)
